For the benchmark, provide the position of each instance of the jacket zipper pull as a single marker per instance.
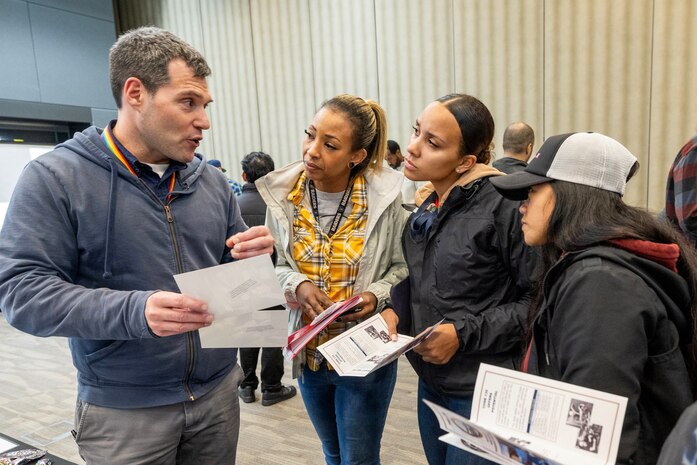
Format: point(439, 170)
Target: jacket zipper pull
point(170, 219)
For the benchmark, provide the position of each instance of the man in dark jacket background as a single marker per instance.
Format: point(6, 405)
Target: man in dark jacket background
point(253, 209)
point(518, 142)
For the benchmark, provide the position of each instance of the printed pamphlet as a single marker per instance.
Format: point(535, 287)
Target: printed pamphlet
point(367, 347)
point(518, 418)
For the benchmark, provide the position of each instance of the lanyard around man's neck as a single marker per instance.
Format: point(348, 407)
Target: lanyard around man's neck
point(110, 142)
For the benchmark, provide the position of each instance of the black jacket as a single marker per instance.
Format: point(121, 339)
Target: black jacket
point(509, 165)
point(252, 206)
point(472, 269)
point(614, 321)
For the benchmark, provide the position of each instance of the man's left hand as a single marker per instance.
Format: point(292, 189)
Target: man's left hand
point(255, 241)
point(440, 346)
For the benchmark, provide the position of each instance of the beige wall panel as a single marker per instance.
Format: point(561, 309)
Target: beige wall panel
point(344, 54)
point(499, 59)
point(561, 65)
point(415, 59)
point(182, 17)
point(674, 90)
point(597, 74)
point(136, 13)
point(285, 85)
point(229, 49)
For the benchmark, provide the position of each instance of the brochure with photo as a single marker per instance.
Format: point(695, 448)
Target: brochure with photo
point(367, 347)
point(518, 418)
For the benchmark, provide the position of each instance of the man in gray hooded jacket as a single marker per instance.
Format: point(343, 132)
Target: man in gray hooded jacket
point(93, 234)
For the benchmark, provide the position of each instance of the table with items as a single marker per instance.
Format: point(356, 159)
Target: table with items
point(15, 452)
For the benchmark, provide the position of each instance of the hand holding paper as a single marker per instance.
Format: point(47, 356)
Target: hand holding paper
point(169, 313)
point(311, 299)
point(441, 346)
point(301, 337)
point(257, 240)
point(392, 320)
point(240, 295)
point(363, 308)
point(367, 347)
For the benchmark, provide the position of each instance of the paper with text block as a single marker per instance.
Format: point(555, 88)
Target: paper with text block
point(241, 295)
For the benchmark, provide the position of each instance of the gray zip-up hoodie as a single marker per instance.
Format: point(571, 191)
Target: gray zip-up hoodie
point(83, 246)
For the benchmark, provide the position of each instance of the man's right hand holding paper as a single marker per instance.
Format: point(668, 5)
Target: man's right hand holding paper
point(170, 313)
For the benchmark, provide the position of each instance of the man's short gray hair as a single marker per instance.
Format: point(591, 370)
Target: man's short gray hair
point(145, 53)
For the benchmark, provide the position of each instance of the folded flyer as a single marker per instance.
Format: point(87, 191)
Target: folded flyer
point(518, 418)
point(367, 347)
point(301, 337)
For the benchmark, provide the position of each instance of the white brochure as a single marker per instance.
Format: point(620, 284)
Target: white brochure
point(6, 445)
point(519, 418)
point(245, 297)
point(367, 347)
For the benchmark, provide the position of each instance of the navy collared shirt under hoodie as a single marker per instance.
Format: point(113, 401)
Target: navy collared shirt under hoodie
point(83, 246)
point(159, 185)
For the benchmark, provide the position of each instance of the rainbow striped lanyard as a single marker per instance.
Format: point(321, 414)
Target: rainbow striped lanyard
point(108, 138)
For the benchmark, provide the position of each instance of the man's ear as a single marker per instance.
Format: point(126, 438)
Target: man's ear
point(244, 176)
point(358, 157)
point(133, 92)
point(466, 164)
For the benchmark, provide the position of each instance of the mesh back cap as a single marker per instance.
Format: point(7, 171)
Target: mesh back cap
point(586, 158)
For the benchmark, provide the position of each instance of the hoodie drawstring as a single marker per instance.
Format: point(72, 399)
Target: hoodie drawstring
point(110, 219)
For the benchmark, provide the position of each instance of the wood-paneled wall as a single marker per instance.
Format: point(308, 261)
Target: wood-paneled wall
point(620, 67)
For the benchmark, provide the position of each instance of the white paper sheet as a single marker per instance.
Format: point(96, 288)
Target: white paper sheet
point(6, 445)
point(237, 293)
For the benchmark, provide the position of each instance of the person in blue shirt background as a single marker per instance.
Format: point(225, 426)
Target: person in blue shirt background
point(234, 185)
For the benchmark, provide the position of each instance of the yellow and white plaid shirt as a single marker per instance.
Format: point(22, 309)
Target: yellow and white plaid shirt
point(331, 263)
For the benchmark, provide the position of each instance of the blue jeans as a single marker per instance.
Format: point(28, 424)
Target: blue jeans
point(437, 452)
point(348, 413)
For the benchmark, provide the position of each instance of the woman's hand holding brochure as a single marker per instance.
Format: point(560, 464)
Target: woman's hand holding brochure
point(301, 337)
point(367, 347)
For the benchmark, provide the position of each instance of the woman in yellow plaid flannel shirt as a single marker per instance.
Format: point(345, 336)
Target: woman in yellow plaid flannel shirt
point(337, 220)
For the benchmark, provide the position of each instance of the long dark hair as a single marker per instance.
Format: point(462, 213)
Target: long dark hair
point(584, 216)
